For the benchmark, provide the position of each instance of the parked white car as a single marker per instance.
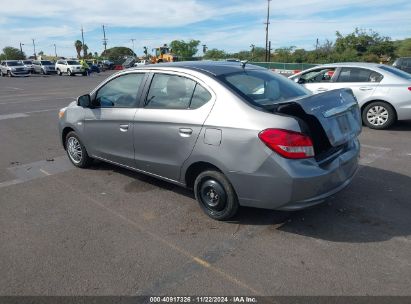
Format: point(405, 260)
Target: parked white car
point(70, 67)
point(142, 62)
point(383, 92)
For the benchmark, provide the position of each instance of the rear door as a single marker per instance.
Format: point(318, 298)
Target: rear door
point(361, 81)
point(108, 127)
point(167, 126)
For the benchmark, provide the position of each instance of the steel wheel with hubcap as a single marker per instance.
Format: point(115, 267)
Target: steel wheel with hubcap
point(378, 115)
point(76, 151)
point(215, 195)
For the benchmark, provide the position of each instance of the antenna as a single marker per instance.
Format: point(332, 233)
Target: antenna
point(243, 63)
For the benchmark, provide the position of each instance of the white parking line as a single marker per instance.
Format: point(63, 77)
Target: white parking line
point(14, 115)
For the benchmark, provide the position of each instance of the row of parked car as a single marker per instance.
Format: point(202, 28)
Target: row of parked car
point(46, 67)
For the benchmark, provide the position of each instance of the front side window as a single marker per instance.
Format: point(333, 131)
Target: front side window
point(358, 75)
point(46, 62)
point(175, 92)
point(318, 75)
point(264, 88)
point(121, 92)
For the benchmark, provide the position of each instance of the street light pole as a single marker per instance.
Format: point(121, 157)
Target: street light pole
point(34, 48)
point(132, 40)
point(55, 50)
point(266, 30)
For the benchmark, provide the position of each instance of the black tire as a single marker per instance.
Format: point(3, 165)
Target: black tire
point(216, 195)
point(84, 160)
point(69, 72)
point(59, 72)
point(378, 115)
point(9, 74)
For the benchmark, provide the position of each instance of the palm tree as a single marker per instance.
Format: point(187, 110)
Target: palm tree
point(79, 46)
point(85, 49)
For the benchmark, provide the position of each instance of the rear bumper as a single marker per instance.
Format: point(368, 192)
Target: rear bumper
point(284, 184)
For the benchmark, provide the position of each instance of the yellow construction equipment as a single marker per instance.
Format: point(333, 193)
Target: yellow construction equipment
point(162, 54)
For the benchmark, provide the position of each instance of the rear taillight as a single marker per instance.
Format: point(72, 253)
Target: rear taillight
point(287, 143)
point(409, 88)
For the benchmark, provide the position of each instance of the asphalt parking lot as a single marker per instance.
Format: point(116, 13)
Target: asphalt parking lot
point(109, 231)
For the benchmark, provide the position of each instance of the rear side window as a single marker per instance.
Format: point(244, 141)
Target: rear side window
point(358, 75)
point(121, 92)
point(264, 88)
point(175, 92)
point(396, 72)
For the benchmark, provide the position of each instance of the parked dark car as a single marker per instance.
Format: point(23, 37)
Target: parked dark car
point(93, 68)
point(403, 63)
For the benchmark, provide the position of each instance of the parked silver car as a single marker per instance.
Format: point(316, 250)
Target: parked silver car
point(13, 68)
point(28, 64)
point(44, 67)
point(239, 135)
point(383, 92)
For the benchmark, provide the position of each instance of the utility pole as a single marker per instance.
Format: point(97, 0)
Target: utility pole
point(269, 51)
point(204, 48)
point(82, 40)
point(104, 39)
point(55, 50)
point(34, 47)
point(266, 30)
point(132, 40)
point(21, 49)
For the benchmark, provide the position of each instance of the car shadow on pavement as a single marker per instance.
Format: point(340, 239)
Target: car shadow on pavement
point(402, 125)
point(375, 207)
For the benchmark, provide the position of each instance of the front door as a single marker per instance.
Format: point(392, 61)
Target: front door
point(166, 128)
point(108, 126)
point(318, 80)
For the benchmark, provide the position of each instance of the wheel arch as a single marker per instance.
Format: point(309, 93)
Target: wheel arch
point(64, 133)
point(195, 169)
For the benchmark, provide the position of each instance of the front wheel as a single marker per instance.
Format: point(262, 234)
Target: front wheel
point(8, 73)
point(69, 73)
point(378, 115)
point(216, 195)
point(76, 151)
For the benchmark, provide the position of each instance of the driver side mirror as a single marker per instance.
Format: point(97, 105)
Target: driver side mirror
point(301, 80)
point(84, 101)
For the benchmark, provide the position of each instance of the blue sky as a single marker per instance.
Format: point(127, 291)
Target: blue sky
point(231, 25)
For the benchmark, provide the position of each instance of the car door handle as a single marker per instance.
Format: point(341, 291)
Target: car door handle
point(124, 128)
point(322, 89)
point(185, 132)
point(366, 88)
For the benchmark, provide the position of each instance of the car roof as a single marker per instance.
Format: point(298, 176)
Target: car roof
point(356, 64)
point(215, 68)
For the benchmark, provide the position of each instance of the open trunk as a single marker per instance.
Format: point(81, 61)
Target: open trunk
point(331, 119)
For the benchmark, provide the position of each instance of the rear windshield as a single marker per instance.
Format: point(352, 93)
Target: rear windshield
point(396, 72)
point(46, 62)
point(264, 88)
point(14, 63)
point(73, 63)
point(27, 62)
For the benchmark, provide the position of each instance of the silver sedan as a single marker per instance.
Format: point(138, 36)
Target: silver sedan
point(237, 134)
point(383, 92)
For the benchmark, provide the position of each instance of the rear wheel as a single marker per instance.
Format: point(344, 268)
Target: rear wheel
point(76, 151)
point(8, 73)
point(378, 115)
point(216, 195)
point(59, 72)
point(69, 72)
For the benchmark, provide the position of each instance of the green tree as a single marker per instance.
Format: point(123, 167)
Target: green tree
point(215, 54)
point(185, 50)
point(403, 48)
point(11, 53)
point(79, 46)
point(117, 53)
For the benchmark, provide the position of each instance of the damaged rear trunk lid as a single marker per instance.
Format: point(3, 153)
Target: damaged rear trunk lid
point(331, 119)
